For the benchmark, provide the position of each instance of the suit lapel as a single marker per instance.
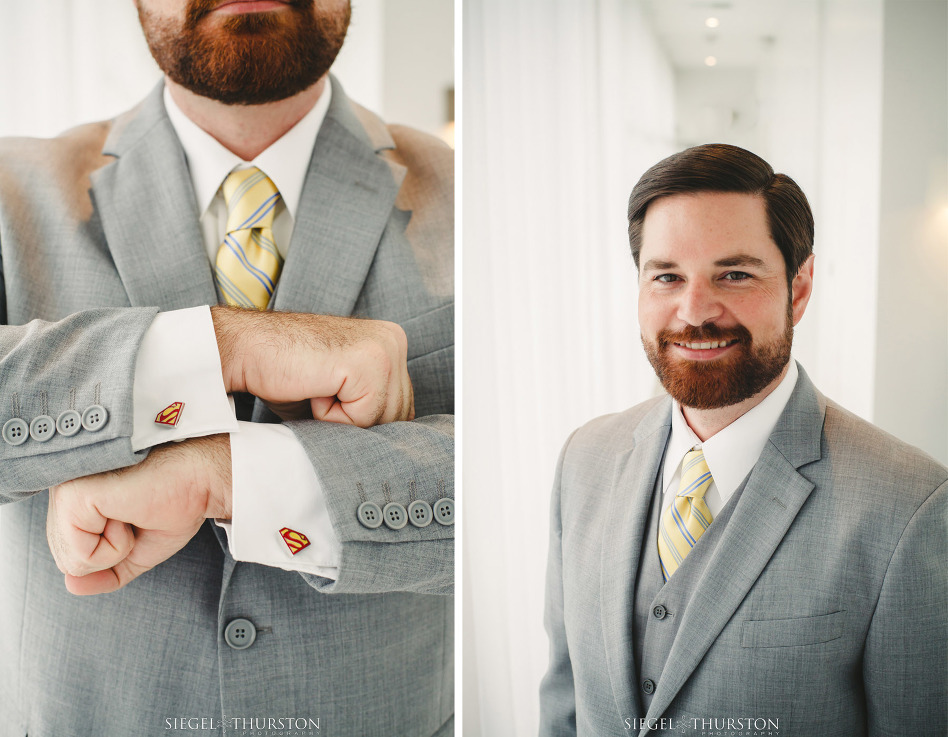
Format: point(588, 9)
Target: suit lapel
point(344, 207)
point(773, 496)
point(148, 212)
point(630, 497)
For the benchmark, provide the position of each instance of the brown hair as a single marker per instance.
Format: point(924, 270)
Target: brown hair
point(718, 167)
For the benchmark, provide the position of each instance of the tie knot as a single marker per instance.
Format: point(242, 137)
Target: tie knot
point(695, 475)
point(251, 199)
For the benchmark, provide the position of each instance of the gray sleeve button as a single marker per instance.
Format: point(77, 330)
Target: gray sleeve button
point(370, 515)
point(42, 428)
point(444, 511)
point(420, 514)
point(94, 418)
point(15, 431)
point(395, 516)
point(69, 423)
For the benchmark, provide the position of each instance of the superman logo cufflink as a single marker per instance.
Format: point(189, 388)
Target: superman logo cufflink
point(295, 541)
point(170, 415)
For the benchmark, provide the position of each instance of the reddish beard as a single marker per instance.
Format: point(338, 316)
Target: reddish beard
point(246, 59)
point(745, 370)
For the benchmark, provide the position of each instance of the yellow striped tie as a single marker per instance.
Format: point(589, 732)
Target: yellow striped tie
point(687, 517)
point(248, 263)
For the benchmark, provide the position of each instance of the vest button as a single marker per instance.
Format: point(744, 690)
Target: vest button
point(240, 634)
point(648, 685)
point(659, 612)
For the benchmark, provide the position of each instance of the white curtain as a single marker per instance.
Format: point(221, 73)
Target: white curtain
point(565, 105)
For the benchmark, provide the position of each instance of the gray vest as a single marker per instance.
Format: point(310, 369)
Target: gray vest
point(658, 606)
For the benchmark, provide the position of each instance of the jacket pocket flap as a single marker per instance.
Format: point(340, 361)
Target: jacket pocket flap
point(793, 631)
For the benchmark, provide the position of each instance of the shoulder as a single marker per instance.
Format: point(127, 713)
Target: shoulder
point(882, 470)
point(51, 174)
point(428, 160)
point(608, 435)
point(80, 141)
point(71, 155)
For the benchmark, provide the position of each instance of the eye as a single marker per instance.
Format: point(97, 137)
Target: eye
point(736, 276)
point(666, 278)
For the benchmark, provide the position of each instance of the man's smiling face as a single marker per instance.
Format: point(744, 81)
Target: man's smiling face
point(714, 309)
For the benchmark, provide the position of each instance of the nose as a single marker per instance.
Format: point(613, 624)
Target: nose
point(698, 304)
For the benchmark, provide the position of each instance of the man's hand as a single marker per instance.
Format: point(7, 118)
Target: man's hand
point(107, 529)
point(343, 369)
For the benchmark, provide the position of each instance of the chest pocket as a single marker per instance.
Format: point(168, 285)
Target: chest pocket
point(792, 632)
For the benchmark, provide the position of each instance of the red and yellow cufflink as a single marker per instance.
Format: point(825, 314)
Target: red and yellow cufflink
point(170, 415)
point(295, 541)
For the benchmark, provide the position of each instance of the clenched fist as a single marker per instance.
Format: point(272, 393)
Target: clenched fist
point(107, 529)
point(342, 369)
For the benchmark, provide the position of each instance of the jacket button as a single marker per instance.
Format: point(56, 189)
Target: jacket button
point(94, 418)
point(370, 515)
point(648, 685)
point(419, 513)
point(444, 511)
point(69, 423)
point(659, 612)
point(395, 516)
point(15, 431)
point(240, 634)
point(42, 428)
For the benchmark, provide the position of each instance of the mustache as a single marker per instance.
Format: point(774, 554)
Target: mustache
point(198, 9)
point(703, 333)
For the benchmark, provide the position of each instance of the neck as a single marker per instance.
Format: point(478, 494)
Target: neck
point(246, 130)
point(708, 422)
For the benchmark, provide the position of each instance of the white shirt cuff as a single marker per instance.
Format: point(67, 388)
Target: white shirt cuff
point(278, 504)
point(178, 362)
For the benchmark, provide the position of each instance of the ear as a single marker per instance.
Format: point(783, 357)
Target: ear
point(801, 289)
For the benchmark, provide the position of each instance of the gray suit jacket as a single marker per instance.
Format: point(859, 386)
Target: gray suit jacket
point(822, 606)
point(98, 232)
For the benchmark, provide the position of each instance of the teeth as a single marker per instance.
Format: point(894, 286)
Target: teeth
point(706, 346)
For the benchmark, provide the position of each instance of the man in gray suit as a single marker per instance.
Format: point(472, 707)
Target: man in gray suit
point(743, 556)
point(319, 601)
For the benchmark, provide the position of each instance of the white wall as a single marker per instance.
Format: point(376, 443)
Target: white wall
point(717, 105)
point(911, 363)
point(418, 75)
point(837, 340)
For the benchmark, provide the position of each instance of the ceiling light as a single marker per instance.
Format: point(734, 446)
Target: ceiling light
point(710, 61)
point(712, 22)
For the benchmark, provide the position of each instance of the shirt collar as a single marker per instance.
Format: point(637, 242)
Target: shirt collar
point(209, 162)
point(732, 452)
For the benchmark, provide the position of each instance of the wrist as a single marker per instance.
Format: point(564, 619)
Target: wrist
point(215, 460)
point(227, 330)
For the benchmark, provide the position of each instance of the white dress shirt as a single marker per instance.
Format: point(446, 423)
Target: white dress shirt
point(732, 452)
point(274, 483)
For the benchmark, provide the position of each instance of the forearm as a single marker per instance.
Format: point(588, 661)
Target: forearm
point(47, 368)
point(397, 463)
